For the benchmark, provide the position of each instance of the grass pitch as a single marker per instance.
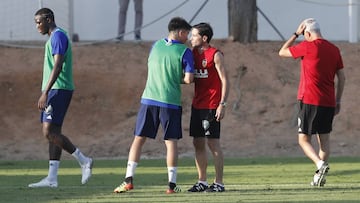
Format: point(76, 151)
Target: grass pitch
point(246, 180)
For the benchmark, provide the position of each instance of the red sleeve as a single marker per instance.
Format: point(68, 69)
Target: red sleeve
point(298, 50)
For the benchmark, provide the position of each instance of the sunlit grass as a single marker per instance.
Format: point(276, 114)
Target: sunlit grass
point(247, 180)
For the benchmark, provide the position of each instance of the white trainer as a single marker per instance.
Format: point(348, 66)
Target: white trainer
point(44, 183)
point(86, 171)
point(320, 176)
point(316, 181)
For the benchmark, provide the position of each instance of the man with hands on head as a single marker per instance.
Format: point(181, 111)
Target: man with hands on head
point(319, 97)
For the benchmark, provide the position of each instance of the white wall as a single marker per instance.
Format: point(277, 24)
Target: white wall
point(286, 15)
point(98, 19)
point(17, 17)
point(103, 19)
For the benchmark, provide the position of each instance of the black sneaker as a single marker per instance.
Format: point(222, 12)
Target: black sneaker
point(198, 187)
point(215, 188)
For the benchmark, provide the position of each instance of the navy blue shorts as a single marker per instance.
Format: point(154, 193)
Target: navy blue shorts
point(203, 123)
point(57, 106)
point(315, 119)
point(150, 117)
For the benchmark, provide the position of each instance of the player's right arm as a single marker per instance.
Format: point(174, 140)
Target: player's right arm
point(59, 43)
point(285, 51)
point(58, 62)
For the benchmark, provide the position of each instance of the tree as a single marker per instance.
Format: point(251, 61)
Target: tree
point(242, 16)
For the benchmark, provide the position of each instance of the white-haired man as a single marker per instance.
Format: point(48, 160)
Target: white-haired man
point(319, 100)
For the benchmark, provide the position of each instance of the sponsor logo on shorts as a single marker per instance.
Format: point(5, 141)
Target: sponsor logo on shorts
point(48, 111)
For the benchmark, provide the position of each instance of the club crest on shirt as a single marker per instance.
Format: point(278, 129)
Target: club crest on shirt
point(204, 63)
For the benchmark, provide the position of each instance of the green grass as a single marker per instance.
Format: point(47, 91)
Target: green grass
point(247, 180)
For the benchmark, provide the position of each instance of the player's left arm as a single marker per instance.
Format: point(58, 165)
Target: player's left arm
point(58, 64)
point(220, 68)
point(339, 88)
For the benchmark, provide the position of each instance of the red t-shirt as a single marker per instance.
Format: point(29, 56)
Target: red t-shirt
point(207, 81)
point(320, 60)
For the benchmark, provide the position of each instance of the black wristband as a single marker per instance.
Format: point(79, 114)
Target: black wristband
point(296, 35)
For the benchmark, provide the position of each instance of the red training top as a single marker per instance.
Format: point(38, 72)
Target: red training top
point(207, 81)
point(320, 60)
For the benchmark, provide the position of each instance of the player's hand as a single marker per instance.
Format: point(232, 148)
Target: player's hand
point(300, 30)
point(337, 109)
point(220, 113)
point(42, 102)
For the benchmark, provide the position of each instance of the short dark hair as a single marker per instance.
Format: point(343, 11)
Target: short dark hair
point(178, 23)
point(46, 13)
point(204, 30)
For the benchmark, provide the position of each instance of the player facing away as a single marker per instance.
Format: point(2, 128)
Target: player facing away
point(318, 99)
point(208, 107)
point(57, 90)
point(170, 63)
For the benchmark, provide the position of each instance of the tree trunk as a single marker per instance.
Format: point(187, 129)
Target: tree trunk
point(242, 20)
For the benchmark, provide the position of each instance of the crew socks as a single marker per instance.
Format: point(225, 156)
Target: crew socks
point(80, 157)
point(130, 169)
point(53, 170)
point(203, 182)
point(319, 164)
point(172, 174)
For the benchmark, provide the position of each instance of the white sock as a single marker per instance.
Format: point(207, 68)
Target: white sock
point(80, 157)
point(319, 164)
point(172, 174)
point(53, 170)
point(203, 182)
point(130, 169)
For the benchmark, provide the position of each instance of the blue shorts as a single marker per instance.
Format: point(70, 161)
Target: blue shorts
point(57, 106)
point(149, 118)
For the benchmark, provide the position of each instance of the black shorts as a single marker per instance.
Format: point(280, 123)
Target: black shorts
point(203, 123)
point(315, 119)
